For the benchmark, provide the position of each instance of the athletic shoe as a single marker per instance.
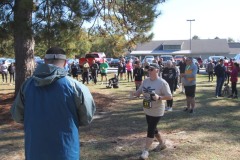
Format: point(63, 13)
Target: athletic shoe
point(160, 147)
point(186, 109)
point(191, 111)
point(166, 108)
point(144, 155)
point(235, 97)
point(170, 109)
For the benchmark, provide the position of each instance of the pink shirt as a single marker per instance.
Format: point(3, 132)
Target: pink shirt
point(129, 66)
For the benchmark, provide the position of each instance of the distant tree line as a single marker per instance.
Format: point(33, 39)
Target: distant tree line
point(230, 40)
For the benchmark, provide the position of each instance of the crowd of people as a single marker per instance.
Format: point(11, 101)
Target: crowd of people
point(225, 72)
point(52, 105)
point(133, 70)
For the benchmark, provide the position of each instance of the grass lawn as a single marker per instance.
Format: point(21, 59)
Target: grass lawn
point(119, 128)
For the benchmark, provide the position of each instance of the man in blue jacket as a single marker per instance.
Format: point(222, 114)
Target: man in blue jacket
point(52, 106)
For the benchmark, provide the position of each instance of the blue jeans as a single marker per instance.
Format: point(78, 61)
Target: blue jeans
point(220, 81)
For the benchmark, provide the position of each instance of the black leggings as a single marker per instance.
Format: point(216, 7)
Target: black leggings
point(129, 73)
point(12, 77)
point(234, 88)
point(169, 103)
point(171, 86)
point(152, 125)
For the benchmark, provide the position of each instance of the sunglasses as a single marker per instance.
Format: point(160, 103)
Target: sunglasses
point(150, 69)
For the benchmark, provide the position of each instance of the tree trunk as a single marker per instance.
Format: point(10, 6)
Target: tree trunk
point(23, 41)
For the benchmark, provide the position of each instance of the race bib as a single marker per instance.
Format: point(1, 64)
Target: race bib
point(147, 103)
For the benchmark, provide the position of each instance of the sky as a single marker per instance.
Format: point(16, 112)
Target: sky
point(213, 18)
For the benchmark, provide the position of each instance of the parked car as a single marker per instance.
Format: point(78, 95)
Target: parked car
point(37, 58)
point(149, 59)
point(39, 61)
point(167, 58)
point(97, 56)
point(200, 61)
point(237, 58)
point(114, 63)
point(197, 64)
point(127, 58)
point(2, 59)
point(215, 59)
point(109, 60)
point(205, 63)
point(178, 58)
point(8, 61)
point(71, 60)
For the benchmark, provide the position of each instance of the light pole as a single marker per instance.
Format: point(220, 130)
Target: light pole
point(190, 20)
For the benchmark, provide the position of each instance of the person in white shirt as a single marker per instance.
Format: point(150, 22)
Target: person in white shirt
point(155, 91)
point(4, 71)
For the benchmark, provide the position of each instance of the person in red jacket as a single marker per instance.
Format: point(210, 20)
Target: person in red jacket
point(234, 79)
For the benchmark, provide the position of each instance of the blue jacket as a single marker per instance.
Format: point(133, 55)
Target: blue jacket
point(52, 106)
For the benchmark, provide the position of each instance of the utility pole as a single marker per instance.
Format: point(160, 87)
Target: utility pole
point(190, 20)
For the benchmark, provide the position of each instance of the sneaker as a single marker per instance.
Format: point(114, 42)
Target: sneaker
point(191, 111)
point(166, 108)
point(160, 147)
point(186, 109)
point(231, 96)
point(235, 97)
point(144, 155)
point(170, 109)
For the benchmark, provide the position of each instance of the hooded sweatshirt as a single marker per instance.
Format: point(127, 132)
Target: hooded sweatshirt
point(52, 106)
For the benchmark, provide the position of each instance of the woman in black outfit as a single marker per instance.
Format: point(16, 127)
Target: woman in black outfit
point(169, 74)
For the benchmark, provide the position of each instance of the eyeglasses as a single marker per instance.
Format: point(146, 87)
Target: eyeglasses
point(150, 69)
